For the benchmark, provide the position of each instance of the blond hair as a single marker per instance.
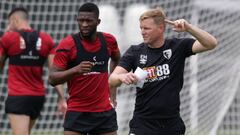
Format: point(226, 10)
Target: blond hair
point(157, 14)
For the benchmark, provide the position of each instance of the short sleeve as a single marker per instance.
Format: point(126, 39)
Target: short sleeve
point(127, 60)
point(48, 42)
point(8, 40)
point(188, 43)
point(63, 53)
point(112, 44)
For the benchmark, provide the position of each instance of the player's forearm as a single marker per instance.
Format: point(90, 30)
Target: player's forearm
point(113, 96)
point(1, 67)
point(62, 105)
point(114, 80)
point(114, 61)
point(113, 65)
point(60, 91)
point(206, 39)
point(2, 62)
point(113, 92)
point(60, 77)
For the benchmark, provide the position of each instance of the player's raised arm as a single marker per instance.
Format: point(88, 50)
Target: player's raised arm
point(204, 40)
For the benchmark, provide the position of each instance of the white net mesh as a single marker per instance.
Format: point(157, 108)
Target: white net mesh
point(210, 99)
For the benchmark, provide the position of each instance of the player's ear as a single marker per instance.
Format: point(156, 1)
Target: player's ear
point(77, 18)
point(13, 23)
point(99, 21)
point(162, 26)
point(15, 20)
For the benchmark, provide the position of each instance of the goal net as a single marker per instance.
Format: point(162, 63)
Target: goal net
point(210, 98)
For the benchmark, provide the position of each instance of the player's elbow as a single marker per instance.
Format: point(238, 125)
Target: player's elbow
point(51, 80)
point(213, 44)
point(113, 81)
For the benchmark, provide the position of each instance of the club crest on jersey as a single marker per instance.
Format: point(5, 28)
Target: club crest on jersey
point(167, 53)
point(143, 59)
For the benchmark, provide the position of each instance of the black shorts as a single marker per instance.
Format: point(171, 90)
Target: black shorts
point(28, 105)
point(173, 126)
point(91, 122)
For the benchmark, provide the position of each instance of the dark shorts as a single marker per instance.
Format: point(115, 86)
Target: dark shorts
point(91, 122)
point(173, 126)
point(28, 105)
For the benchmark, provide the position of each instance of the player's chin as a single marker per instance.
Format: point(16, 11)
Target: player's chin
point(85, 35)
point(145, 41)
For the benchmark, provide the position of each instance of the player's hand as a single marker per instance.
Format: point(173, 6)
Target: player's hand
point(180, 25)
point(113, 102)
point(84, 67)
point(128, 78)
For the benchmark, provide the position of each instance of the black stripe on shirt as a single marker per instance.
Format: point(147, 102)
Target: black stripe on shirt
point(63, 50)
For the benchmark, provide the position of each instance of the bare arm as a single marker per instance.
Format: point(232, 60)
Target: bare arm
point(113, 90)
point(121, 75)
point(2, 62)
point(60, 76)
point(114, 61)
point(62, 105)
point(204, 42)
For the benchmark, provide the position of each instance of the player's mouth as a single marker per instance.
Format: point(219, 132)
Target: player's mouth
point(85, 31)
point(145, 38)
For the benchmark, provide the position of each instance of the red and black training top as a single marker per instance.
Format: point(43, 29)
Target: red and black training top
point(27, 51)
point(87, 92)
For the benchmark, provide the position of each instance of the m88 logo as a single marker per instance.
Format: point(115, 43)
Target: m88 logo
point(159, 72)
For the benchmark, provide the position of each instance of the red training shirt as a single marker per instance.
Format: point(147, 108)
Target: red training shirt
point(25, 80)
point(87, 93)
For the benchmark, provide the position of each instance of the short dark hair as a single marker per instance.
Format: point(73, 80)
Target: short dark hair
point(89, 7)
point(19, 9)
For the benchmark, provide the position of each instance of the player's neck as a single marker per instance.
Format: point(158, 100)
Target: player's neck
point(90, 38)
point(157, 44)
point(24, 26)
